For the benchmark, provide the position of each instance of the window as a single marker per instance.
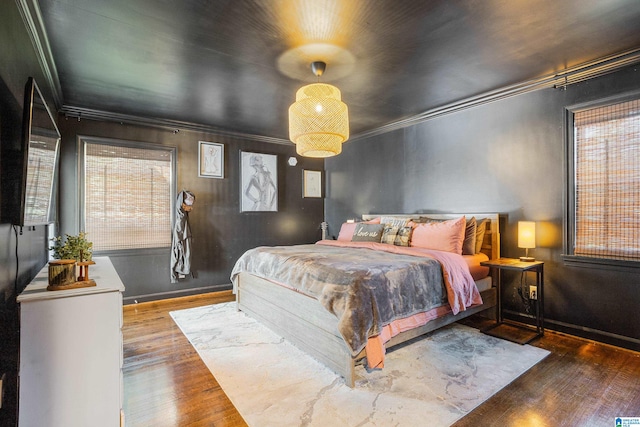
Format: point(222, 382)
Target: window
point(128, 194)
point(604, 193)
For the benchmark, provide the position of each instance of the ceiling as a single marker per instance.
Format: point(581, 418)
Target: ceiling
point(235, 65)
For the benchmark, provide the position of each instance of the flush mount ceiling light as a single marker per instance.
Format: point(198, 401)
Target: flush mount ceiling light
point(318, 120)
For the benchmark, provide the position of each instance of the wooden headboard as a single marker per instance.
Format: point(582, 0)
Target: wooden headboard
point(491, 243)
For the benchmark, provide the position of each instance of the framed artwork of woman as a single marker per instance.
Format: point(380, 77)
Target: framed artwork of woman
point(210, 160)
point(259, 182)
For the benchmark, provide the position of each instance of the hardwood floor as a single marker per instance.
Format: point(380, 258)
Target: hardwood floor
point(581, 383)
point(165, 381)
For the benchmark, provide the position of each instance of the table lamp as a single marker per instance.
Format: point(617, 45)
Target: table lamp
point(526, 238)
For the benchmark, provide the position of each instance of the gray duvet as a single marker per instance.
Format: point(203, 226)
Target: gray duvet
point(364, 288)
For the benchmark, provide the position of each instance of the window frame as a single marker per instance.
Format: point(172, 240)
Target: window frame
point(81, 142)
point(568, 256)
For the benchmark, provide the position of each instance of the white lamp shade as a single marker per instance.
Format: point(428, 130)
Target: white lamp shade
point(526, 234)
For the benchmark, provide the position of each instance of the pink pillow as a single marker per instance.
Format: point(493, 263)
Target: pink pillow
point(443, 236)
point(346, 231)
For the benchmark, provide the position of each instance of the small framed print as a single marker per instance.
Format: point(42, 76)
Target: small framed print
point(311, 183)
point(210, 160)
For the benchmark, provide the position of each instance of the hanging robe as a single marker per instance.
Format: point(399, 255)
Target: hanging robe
point(181, 237)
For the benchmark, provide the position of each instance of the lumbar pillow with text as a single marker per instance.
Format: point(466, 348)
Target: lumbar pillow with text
point(367, 233)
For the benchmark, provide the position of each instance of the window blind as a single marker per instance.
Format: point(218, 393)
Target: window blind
point(607, 181)
point(127, 196)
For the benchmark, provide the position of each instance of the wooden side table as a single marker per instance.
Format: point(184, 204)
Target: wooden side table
point(519, 333)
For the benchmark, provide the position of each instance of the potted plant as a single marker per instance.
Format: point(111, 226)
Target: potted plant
point(72, 247)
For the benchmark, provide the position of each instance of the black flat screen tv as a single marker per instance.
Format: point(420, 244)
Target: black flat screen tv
point(40, 150)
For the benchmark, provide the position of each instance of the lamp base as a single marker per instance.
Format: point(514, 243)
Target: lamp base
point(527, 259)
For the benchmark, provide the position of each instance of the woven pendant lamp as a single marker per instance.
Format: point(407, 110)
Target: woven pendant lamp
point(318, 120)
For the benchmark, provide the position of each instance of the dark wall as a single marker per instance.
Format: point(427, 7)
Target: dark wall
point(220, 232)
point(17, 62)
point(506, 156)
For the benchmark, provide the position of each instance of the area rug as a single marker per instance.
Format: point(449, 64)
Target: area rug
point(433, 381)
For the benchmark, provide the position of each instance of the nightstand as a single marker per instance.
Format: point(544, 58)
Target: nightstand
point(518, 333)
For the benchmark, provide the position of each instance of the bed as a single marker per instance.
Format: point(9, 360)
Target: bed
point(298, 314)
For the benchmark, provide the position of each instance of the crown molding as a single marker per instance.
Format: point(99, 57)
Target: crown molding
point(174, 125)
point(32, 18)
point(558, 80)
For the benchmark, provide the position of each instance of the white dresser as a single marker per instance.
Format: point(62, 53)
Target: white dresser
point(71, 352)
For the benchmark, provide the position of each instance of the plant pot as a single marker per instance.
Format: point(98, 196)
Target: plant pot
point(62, 272)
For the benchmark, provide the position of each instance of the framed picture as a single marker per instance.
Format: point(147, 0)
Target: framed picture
point(258, 182)
point(311, 183)
point(210, 160)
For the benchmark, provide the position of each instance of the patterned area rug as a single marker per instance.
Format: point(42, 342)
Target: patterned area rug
point(433, 381)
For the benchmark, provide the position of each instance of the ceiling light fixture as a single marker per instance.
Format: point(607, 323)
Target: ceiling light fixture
point(318, 120)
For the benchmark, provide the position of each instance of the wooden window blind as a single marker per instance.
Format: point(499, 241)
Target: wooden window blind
point(607, 181)
point(127, 196)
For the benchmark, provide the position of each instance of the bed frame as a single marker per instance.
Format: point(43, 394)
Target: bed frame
point(304, 322)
